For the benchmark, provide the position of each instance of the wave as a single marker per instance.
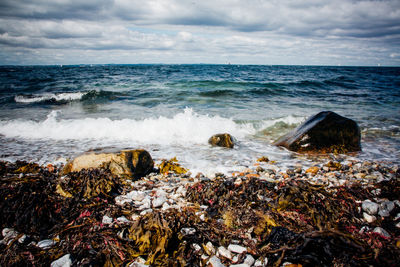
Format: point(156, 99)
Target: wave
point(184, 128)
point(49, 97)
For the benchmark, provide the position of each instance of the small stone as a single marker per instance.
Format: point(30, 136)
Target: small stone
point(249, 260)
point(224, 252)
point(240, 265)
point(398, 225)
point(159, 201)
point(260, 169)
point(196, 247)
point(360, 175)
point(382, 232)
point(188, 231)
point(122, 219)
point(237, 249)
point(260, 263)
point(106, 220)
point(64, 261)
point(46, 244)
point(22, 239)
point(385, 208)
point(215, 262)
point(397, 217)
point(209, 248)
point(370, 207)
point(312, 170)
point(369, 218)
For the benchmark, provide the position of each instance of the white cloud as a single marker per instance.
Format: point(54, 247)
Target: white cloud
point(173, 31)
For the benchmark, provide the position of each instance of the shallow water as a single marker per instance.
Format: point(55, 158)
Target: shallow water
point(52, 112)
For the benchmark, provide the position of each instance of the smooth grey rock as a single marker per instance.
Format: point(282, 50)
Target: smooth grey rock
point(370, 207)
point(385, 208)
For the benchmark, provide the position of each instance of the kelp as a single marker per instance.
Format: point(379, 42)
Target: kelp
point(89, 184)
point(171, 165)
point(287, 221)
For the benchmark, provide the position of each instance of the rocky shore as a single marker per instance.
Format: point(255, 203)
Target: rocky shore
point(340, 213)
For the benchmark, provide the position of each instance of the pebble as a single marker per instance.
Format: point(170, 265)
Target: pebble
point(385, 208)
point(209, 248)
point(188, 231)
point(159, 201)
point(259, 263)
point(46, 243)
point(122, 219)
point(106, 220)
point(64, 261)
point(237, 249)
point(240, 265)
point(222, 251)
point(249, 260)
point(369, 218)
point(381, 231)
point(370, 207)
point(215, 262)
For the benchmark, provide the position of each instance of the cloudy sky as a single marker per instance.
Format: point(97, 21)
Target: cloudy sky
point(312, 32)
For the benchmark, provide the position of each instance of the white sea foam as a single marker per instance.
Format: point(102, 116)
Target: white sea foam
point(49, 96)
point(186, 127)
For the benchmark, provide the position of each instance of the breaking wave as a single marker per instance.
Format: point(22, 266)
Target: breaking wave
point(186, 127)
point(49, 97)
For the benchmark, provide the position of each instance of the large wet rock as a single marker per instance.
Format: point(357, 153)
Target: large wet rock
point(131, 163)
point(222, 140)
point(324, 132)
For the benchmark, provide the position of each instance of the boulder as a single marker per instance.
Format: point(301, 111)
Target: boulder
point(131, 163)
point(325, 132)
point(222, 140)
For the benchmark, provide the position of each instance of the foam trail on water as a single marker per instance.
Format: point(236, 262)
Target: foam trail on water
point(186, 127)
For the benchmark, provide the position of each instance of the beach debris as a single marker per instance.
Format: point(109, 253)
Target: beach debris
point(222, 140)
point(171, 165)
point(127, 163)
point(298, 219)
point(325, 132)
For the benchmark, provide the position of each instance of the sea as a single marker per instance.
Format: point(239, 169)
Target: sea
point(50, 114)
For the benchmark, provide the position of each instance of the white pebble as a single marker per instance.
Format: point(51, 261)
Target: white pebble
point(122, 219)
point(215, 262)
point(64, 261)
point(259, 263)
point(381, 231)
point(249, 260)
point(237, 249)
point(385, 208)
point(369, 218)
point(188, 231)
point(159, 201)
point(224, 252)
point(46, 243)
point(106, 220)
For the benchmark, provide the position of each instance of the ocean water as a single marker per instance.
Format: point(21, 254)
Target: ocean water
point(51, 113)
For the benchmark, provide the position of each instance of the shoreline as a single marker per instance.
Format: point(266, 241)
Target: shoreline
point(263, 217)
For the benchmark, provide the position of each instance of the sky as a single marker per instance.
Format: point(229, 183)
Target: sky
point(268, 32)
